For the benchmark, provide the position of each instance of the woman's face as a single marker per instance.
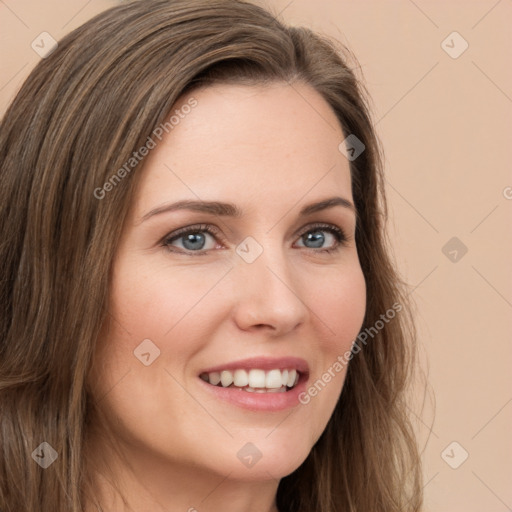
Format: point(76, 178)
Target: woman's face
point(256, 299)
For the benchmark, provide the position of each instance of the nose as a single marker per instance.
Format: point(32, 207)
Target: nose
point(269, 295)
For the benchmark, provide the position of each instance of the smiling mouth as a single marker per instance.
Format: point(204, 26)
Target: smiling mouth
point(254, 380)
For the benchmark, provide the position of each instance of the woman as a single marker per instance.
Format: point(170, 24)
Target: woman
point(199, 310)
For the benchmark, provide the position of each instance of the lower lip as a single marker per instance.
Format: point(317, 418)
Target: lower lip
point(269, 402)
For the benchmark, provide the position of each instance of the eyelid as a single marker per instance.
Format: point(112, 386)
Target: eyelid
point(178, 233)
point(342, 239)
point(337, 231)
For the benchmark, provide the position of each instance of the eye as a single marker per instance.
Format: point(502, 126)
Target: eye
point(193, 238)
point(314, 236)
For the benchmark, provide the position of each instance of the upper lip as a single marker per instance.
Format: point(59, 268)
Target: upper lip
point(263, 363)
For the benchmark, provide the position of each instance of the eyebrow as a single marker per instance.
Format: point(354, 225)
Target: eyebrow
point(231, 210)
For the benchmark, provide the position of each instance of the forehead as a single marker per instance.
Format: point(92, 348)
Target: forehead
point(245, 143)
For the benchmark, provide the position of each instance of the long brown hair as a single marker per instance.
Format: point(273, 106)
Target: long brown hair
point(77, 119)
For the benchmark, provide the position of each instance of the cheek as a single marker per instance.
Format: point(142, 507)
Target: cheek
point(159, 301)
point(352, 298)
point(157, 310)
point(167, 311)
point(340, 309)
point(340, 305)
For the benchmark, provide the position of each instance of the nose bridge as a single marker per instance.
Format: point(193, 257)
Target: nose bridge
point(269, 293)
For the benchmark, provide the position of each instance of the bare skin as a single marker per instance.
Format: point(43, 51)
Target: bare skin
point(270, 151)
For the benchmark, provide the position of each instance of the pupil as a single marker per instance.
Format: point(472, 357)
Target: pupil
point(192, 238)
point(196, 240)
point(316, 239)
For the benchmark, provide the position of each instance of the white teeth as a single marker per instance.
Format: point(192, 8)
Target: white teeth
point(255, 380)
point(280, 389)
point(240, 378)
point(214, 378)
point(292, 374)
point(273, 379)
point(226, 378)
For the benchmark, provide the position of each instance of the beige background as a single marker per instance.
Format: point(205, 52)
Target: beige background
point(446, 126)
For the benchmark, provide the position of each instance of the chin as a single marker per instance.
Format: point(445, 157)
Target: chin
point(262, 459)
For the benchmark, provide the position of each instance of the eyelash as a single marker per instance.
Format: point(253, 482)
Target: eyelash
point(338, 233)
